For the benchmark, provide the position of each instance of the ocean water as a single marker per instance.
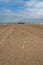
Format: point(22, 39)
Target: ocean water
point(34, 22)
point(24, 22)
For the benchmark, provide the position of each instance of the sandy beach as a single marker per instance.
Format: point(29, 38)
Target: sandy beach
point(21, 44)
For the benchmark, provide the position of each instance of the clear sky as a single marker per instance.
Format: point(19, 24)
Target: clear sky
point(21, 10)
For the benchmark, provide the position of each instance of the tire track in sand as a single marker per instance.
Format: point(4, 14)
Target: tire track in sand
point(3, 30)
point(8, 31)
point(3, 33)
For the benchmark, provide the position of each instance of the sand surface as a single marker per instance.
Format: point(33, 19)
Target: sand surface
point(21, 44)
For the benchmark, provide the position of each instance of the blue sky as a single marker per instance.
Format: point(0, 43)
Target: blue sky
point(21, 10)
